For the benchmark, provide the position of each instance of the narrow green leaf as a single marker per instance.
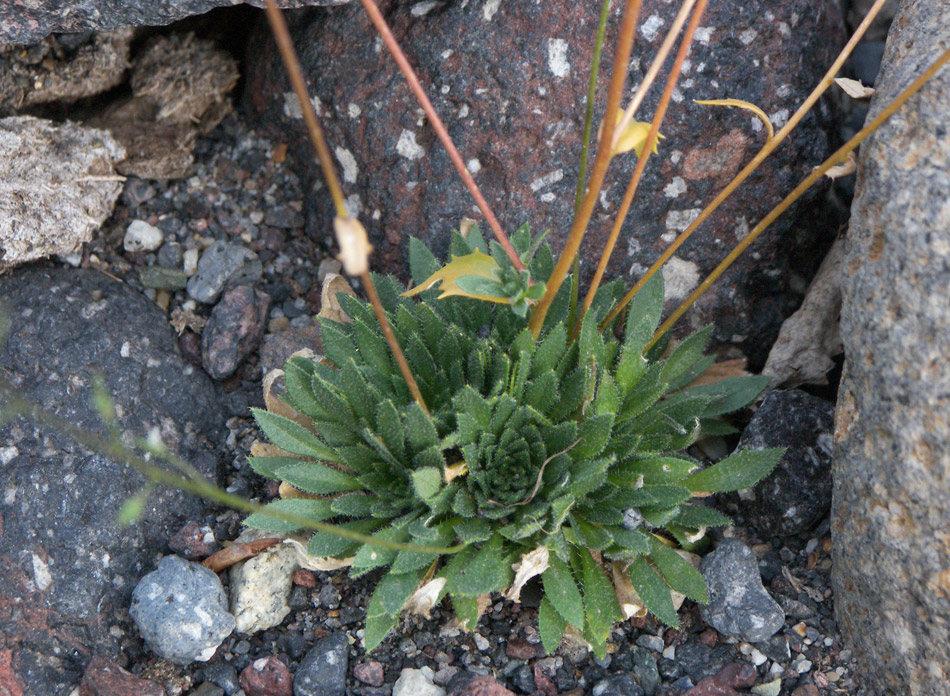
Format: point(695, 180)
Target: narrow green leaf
point(420, 431)
point(327, 544)
point(427, 482)
point(741, 470)
point(353, 504)
point(551, 626)
point(291, 436)
point(600, 601)
point(316, 510)
point(593, 434)
point(653, 591)
point(298, 375)
point(319, 479)
point(561, 590)
point(697, 516)
point(268, 466)
point(679, 574)
point(487, 571)
point(466, 610)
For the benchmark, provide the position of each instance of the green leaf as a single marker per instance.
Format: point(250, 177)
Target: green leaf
point(472, 531)
point(316, 510)
point(338, 346)
point(593, 434)
point(422, 262)
point(298, 375)
point(731, 394)
point(644, 311)
point(268, 466)
point(697, 516)
point(319, 479)
point(550, 350)
point(390, 596)
point(600, 601)
point(631, 539)
point(371, 556)
point(679, 574)
point(593, 537)
point(427, 482)
point(488, 571)
point(292, 436)
point(590, 344)
point(561, 590)
point(741, 470)
point(327, 544)
point(353, 504)
point(466, 610)
point(420, 431)
point(608, 398)
point(551, 626)
point(372, 347)
point(654, 470)
point(654, 593)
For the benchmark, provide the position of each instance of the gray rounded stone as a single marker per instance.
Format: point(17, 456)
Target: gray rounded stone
point(181, 610)
point(738, 603)
point(891, 464)
point(221, 265)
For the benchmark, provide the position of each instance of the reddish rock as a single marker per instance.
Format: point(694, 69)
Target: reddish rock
point(481, 685)
point(806, 690)
point(710, 687)
point(709, 637)
point(304, 578)
point(543, 682)
point(194, 542)
point(369, 673)
point(105, 678)
point(10, 685)
point(267, 676)
point(511, 86)
point(234, 330)
point(520, 649)
point(736, 675)
point(189, 343)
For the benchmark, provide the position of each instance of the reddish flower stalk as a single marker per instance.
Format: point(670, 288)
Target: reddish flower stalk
point(376, 17)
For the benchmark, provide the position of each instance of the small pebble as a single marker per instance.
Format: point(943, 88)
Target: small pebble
point(772, 688)
point(141, 236)
point(654, 643)
point(267, 676)
point(190, 262)
point(481, 642)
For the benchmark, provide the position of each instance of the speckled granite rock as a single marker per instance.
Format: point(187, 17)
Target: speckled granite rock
point(27, 21)
point(891, 521)
point(66, 569)
point(510, 81)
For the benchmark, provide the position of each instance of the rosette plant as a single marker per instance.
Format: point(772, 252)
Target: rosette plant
point(568, 449)
point(487, 426)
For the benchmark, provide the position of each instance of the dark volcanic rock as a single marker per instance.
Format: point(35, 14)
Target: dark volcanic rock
point(891, 520)
point(66, 570)
point(27, 21)
point(797, 494)
point(323, 671)
point(510, 81)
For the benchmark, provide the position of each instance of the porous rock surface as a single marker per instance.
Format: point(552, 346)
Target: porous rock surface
point(28, 21)
point(66, 569)
point(891, 520)
point(510, 81)
point(58, 187)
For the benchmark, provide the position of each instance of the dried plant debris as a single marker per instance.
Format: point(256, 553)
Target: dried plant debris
point(58, 187)
point(810, 337)
point(62, 68)
point(180, 87)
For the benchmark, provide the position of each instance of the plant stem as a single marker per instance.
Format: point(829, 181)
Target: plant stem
point(816, 174)
point(585, 145)
point(618, 77)
point(766, 150)
point(391, 339)
point(16, 406)
point(295, 75)
point(376, 17)
point(643, 157)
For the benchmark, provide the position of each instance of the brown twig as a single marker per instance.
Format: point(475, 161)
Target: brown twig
point(376, 17)
point(227, 557)
point(642, 159)
point(816, 174)
point(618, 77)
point(766, 150)
point(295, 75)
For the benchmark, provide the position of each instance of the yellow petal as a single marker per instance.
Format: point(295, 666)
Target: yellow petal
point(634, 137)
point(474, 264)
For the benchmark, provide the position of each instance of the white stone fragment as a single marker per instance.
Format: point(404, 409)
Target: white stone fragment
point(141, 236)
point(557, 58)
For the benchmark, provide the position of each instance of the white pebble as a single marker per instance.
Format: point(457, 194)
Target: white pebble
point(141, 236)
point(481, 642)
point(670, 652)
point(811, 545)
point(190, 262)
point(803, 666)
point(757, 657)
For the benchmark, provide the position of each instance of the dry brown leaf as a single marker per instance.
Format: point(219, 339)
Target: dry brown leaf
point(309, 562)
point(454, 471)
point(354, 245)
point(630, 603)
point(465, 226)
point(266, 449)
point(849, 166)
point(286, 491)
point(532, 563)
point(810, 337)
point(186, 319)
point(854, 88)
point(329, 305)
point(236, 553)
point(425, 597)
point(720, 370)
